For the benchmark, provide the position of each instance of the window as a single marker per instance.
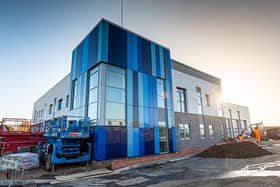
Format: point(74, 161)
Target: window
point(59, 106)
point(199, 100)
point(222, 131)
point(181, 100)
point(207, 98)
point(211, 130)
point(201, 130)
point(184, 131)
point(67, 101)
point(50, 109)
point(160, 93)
point(93, 80)
point(115, 96)
point(74, 94)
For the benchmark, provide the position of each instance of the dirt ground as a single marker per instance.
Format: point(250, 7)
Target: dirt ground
point(234, 150)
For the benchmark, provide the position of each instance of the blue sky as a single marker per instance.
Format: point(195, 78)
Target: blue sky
point(234, 40)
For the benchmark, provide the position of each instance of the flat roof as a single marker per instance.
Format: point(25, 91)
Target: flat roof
point(194, 72)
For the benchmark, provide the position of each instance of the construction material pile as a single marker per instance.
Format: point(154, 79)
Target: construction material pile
point(19, 161)
point(234, 150)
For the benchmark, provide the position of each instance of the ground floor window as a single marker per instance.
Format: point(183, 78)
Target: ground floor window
point(211, 130)
point(184, 131)
point(202, 130)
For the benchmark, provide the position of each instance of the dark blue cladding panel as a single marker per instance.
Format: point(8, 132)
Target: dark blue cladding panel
point(116, 142)
point(99, 143)
point(141, 142)
point(167, 64)
point(117, 46)
point(172, 139)
point(115, 43)
point(149, 141)
point(146, 57)
point(92, 49)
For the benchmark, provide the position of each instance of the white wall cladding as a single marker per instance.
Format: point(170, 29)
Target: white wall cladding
point(243, 110)
point(190, 83)
point(41, 106)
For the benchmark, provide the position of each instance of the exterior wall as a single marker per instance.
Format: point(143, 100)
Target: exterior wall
point(41, 106)
point(244, 111)
point(219, 126)
point(188, 82)
point(238, 118)
point(145, 63)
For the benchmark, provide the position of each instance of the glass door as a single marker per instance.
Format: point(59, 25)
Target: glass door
point(163, 137)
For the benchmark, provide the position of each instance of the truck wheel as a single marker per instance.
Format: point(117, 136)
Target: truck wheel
point(49, 164)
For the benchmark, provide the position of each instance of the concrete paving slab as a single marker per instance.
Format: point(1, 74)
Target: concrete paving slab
point(133, 181)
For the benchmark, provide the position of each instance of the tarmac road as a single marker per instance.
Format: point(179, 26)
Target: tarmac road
point(197, 171)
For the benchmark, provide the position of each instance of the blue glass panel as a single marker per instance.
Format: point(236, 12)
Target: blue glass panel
point(139, 54)
point(84, 65)
point(145, 90)
point(161, 60)
point(141, 99)
point(136, 141)
point(129, 87)
point(167, 64)
point(170, 118)
point(155, 114)
point(93, 47)
point(169, 95)
point(73, 65)
point(132, 52)
point(129, 116)
point(156, 140)
point(103, 32)
point(157, 61)
point(146, 117)
point(135, 116)
point(153, 58)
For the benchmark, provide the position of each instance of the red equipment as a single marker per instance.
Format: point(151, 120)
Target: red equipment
point(16, 134)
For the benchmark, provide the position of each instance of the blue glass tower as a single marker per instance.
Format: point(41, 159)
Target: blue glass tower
point(122, 82)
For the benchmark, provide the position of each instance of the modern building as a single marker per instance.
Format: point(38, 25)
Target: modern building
point(138, 100)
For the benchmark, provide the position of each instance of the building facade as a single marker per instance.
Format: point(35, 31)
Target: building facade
point(138, 100)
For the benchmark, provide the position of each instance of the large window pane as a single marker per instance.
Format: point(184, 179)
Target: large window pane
point(115, 110)
point(115, 95)
point(160, 93)
point(92, 111)
point(211, 130)
point(180, 100)
point(201, 130)
point(92, 95)
point(93, 80)
point(187, 131)
point(115, 79)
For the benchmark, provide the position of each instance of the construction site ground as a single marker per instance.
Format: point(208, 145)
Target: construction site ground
point(192, 171)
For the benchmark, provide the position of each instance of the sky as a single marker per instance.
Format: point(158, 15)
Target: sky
point(236, 41)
